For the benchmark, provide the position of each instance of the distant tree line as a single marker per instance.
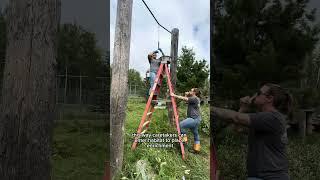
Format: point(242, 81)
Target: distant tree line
point(77, 55)
point(258, 41)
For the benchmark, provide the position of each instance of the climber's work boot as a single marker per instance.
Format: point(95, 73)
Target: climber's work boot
point(196, 147)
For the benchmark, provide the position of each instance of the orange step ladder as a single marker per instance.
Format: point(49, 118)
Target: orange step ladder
point(149, 109)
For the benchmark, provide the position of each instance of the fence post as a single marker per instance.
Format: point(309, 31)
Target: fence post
point(57, 89)
point(65, 85)
point(80, 88)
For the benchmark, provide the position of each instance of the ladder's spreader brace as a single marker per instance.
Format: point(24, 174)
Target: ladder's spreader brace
point(149, 109)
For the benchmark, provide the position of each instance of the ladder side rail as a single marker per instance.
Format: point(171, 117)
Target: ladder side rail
point(174, 105)
point(147, 106)
point(150, 99)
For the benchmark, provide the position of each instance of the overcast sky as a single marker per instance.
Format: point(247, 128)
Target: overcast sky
point(191, 18)
point(315, 4)
point(93, 16)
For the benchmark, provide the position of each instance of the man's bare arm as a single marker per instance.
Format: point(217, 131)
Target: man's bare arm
point(234, 116)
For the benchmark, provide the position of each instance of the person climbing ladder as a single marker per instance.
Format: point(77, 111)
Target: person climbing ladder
point(162, 73)
point(154, 66)
point(193, 116)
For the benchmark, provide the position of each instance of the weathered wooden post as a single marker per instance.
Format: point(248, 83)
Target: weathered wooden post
point(309, 125)
point(135, 90)
point(28, 101)
point(301, 118)
point(80, 84)
point(65, 83)
point(119, 83)
point(173, 67)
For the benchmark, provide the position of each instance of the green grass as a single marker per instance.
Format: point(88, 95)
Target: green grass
point(303, 156)
point(165, 163)
point(79, 150)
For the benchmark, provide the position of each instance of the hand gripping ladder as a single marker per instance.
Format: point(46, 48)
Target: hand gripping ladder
point(149, 109)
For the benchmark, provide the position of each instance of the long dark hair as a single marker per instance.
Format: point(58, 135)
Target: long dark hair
point(282, 99)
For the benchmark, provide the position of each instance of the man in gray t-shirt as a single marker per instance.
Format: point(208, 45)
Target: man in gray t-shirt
point(193, 116)
point(267, 137)
point(267, 142)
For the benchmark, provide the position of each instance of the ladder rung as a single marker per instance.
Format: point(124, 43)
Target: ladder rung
point(143, 131)
point(153, 97)
point(144, 124)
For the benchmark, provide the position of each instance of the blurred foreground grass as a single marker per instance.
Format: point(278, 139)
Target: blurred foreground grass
point(79, 148)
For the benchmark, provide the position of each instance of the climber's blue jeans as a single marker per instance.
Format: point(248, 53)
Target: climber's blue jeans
point(153, 76)
point(192, 124)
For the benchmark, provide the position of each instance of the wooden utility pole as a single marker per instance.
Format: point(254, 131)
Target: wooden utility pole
point(173, 68)
point(28, 93)
point(119, 82)
point(214, 173)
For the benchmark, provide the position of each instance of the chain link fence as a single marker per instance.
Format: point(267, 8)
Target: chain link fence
point(138, 90)
point(82, 97)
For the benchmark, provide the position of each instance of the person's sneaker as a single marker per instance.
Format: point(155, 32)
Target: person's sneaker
point(196, 148)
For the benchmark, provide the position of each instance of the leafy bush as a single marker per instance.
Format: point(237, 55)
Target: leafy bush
point(307, 97)
point(205, 122)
